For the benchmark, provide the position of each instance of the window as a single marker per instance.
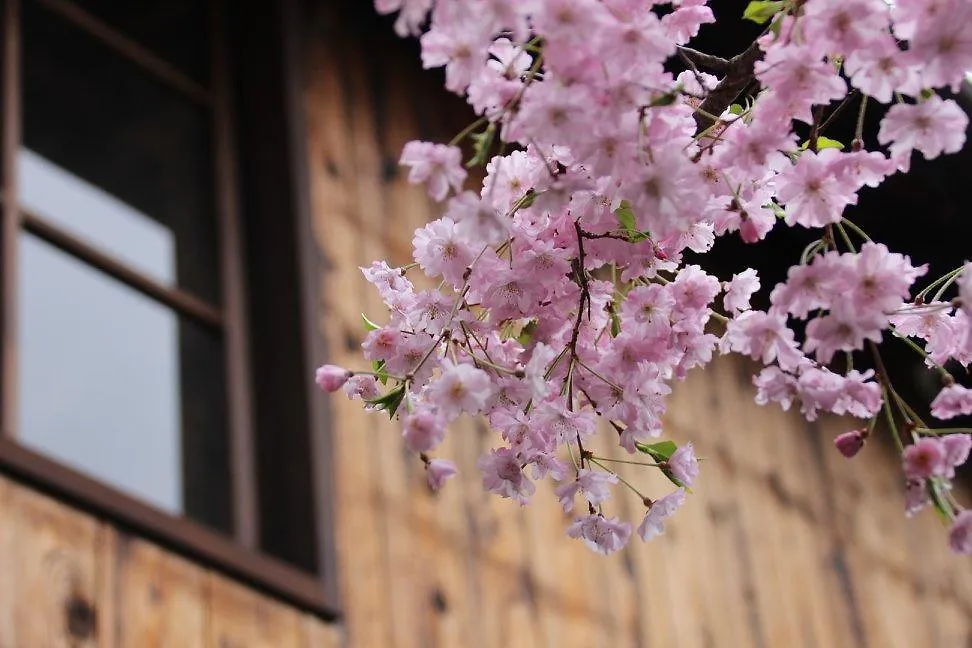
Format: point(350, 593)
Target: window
point(139, 296)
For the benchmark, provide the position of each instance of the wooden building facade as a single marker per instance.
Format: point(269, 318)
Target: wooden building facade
point(300, 521)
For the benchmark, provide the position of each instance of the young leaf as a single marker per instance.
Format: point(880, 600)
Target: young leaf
point(369, 325)
point(823, 143)
point(390, 401)
point(378, 366)
point(526, 333)
point(759, 11)
point(482, 142)
point(626, 217)
point(661, 451)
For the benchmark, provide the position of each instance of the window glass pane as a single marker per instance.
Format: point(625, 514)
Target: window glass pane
point(97, 217)
point(174, 30)
point(111, 382)
point(98, 116)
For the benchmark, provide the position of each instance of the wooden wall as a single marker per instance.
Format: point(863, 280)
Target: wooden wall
point(785, 543)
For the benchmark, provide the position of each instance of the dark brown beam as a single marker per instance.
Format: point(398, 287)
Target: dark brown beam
point(238, 367)
point(176, 299)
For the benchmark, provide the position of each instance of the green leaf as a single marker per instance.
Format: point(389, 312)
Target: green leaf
point(661, 451)
point(390, 401)
point(615, 324)
point(666, 99)
point(528, 199)
point(482, 142)
point(823, 143)
point(626, 217)
point(759, 11)
point(369, 325)
point(526, 333)
point(378, 366)
point(776, 209)
point(675, 480)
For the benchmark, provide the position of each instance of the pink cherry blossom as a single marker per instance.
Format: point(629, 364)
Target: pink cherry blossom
point(592, 484)
point(564, 295)
point(683, 464)
point(437, 165)
point(933, 126)
point(460, 388)
point(423, 430)
point(740, 289)
point(960, 534)
point(653, 523)
point(600, 534)
point(503, 474)
point(924, 459)
point(437, 471)
point(812, 191)
point(952, 401)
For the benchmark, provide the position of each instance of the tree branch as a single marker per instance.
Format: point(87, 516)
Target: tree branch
point(739, 74)
point(712, 63)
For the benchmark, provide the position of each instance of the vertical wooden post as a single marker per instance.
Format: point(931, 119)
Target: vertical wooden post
point(245, 513)
point(11, 216)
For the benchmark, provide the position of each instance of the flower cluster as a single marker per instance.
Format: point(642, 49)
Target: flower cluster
point(564, 299)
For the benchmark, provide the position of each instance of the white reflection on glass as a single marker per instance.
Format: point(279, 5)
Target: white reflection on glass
point(99, 218)
point(98, 362)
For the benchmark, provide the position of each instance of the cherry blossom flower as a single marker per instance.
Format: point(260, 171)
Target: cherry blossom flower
point(569, 286)
point(503, 475)
point(811, 190)
point(924, 459)
point(960, 534)
point(740, 289)
point(592, 484)
point(437, 471)
point(423, 430)
point(436, 164)
point(684, 465)
point(933, 126)
point(952, 401)
point(653, 524)
point(600, 534)
point(460, 388)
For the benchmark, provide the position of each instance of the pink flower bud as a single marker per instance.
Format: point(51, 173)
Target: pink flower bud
point(437, 471)
point(850, 443)
point(331, 378)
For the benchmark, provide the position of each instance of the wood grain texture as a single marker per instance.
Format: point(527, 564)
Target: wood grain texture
point(161, 599)
point(55, 589)
point(238, 617)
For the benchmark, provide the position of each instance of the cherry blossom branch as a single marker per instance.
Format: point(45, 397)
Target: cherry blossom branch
point(738, 75)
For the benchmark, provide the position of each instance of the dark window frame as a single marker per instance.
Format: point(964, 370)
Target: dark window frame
point(261, 461)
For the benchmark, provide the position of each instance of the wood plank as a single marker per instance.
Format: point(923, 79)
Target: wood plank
point(161, 599)
point(53, 593)
point(238, 617)
point(321, 634)
point(334, 201)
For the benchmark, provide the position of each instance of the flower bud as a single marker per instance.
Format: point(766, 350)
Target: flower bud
point(437, 471)
point(331, 378)
point(850, 443)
